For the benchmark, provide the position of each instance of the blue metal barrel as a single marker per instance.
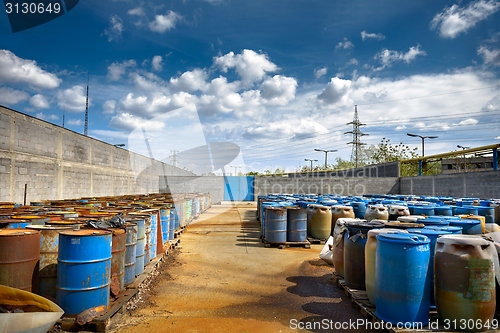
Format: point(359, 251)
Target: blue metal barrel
point(402, 278)
point(263, 216)
point(14, 223)
point(130, 252)
point(171, 225)
point(165, 224)
point(84, 270)
point(276, 220)
point(296, 227)
point(49, 247)
point(174, 218)
point(140, 247)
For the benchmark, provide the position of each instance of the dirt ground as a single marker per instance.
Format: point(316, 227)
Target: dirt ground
point(223, 279)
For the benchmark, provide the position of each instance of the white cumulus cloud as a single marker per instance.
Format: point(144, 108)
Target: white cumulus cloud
point(320, 72)
point(388, 57)
point(109, 107)
point(490, 56)
point(163, 23)
point(335, 91)
point(72, 99)
point(115, 29)
point(156, 63)
point(365, 35)
point(278, 90)
point(190, 81)
point(17, 70)
point(250, 65)
point(116, 70)
point(9, 96)
point(454, 20)
point(39, 101)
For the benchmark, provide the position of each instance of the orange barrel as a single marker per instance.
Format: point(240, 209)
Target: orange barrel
point(464, 275)
point(118, 248)
point(34, 219)
point(49, 246)
point(20, 258)
point(376, 212)
point(321, 222)
point(370, 259)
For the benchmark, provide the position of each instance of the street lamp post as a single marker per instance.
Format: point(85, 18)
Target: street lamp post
point(306, 159)
point(423, 139)
point(326, 154)
point(465, 161)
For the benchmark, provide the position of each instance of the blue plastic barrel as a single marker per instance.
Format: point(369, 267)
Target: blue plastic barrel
point(16, 223)
point(450, 229)
point(276, 220)
point(265, 204)
point(84, 270)
point(467, 210)
point(130, 252)
point(469, 226)
point(423, 210)
point(487, 212)
point(174, 218)
point(171, 225)
point(433, 235)
point(443, 210)
point(402, 278)
point(165, 224)
point(359, 208)
point(296, 227)
point(435, 220)
point(154, 235)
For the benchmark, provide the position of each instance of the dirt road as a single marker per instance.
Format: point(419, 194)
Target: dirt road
point(223, 279)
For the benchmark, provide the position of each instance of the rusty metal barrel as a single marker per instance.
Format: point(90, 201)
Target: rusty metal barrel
point(84, 270)
point(49, 246)
point(20, 258)
point(118, 249)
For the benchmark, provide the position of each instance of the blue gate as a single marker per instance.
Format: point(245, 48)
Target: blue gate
point(238, 188)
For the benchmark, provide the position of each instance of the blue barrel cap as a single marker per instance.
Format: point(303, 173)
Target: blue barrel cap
point(428, 232)
point(404, 238)
point(451, 229)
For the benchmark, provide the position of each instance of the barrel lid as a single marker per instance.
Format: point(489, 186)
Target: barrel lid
point(448, 228)
point(375, 232)
point(401, 224)
point(117, 231)
point(28, 217)
point(363, 225)
point(475, 240)
point(444, 217)
point(465, 222)
point(410, 218)
point(405, 238)
point(342, 207)
point(275, 208)
point(17, 232)
point(48, 227)
point(344, 220)
point(85, 232)
point(429, 232)
point(5, 221)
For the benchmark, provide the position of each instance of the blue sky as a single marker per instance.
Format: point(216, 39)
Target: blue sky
point(276, 78)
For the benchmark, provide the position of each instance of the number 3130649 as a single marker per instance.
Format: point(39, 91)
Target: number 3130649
point(33, 8)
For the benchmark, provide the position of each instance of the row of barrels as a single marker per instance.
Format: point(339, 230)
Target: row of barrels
point(70, 262)
point(406, 272)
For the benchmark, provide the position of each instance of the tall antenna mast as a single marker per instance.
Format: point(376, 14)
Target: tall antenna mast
point(356, 136)
point(86, 128)
point(63, 118)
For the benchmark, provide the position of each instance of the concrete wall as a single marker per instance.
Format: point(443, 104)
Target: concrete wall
point(57, 163)
point(333, 185)
point(485, 185)
point(192, 184)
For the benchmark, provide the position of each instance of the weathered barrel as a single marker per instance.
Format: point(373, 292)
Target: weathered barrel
point(140, 247)
point(465, 280)
point(296, 227)
point(376, 212)
point(354, 252)
point(49, 247)
point(19, 258)
point(84, 270)
point(396, 211)
point(321, 222)
point(130, 252)
point(165, 224)
point(118, 250)
point(276, 221)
